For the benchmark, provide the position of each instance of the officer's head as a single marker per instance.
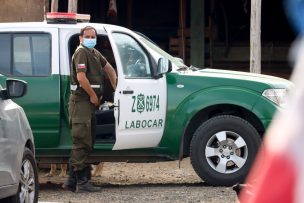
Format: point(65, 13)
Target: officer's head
point(88, 36)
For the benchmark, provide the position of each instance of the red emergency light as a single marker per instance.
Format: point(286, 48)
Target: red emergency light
point(66, 18)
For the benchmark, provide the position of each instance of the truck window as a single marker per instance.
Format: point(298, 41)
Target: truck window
point(135, 61)
point(5, 54)
point(26, 54)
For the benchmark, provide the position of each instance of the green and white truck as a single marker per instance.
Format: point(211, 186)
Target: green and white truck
point(162, 110)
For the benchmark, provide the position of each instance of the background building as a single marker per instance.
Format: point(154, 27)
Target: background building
point(14, 10)
point(212, 33)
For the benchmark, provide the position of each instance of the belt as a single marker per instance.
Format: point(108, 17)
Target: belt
point(74, 87)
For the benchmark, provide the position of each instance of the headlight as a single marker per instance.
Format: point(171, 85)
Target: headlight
point(277, 96)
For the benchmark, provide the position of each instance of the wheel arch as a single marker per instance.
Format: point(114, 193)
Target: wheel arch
point(215, 110)
point(29, 144)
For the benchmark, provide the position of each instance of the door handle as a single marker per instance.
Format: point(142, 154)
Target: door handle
point(127, 91)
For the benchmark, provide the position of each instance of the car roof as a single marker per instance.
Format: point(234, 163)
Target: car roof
point(44, 24)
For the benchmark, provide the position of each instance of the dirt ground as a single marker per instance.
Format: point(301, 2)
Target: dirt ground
point(134, 182)
point(121, 173)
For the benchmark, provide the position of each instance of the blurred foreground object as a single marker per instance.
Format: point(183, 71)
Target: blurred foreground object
point(294, 10)
point(278, 174)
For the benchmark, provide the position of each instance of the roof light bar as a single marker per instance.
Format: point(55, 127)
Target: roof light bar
point(66, 18)
point(83, 17)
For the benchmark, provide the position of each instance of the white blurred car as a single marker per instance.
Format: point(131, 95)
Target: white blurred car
point(18, 169)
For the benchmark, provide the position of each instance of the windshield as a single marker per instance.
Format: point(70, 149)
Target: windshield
point(175, 61)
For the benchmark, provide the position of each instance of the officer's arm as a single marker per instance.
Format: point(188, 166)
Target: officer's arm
point(110, 74)
point(85, 84)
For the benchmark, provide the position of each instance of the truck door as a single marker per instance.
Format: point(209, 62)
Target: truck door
point(31, 54)
point(140, 99)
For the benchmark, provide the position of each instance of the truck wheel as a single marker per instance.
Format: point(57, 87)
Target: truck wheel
point(29, 184)
point(223, 149)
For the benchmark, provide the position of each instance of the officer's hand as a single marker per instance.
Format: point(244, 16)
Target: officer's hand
point(94, 100)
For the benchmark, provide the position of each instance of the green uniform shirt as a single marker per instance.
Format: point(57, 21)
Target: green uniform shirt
point(91, 62)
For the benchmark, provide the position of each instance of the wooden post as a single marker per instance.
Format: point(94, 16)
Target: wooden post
point(72, 6)
point(54, 6)
point(129, 13)
point(255, 36)
point(182, 24)
point(197, 33)
point(46, 8)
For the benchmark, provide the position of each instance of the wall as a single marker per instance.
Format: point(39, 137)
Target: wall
point(18, 11)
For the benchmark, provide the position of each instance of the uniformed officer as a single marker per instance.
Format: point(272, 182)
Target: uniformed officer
point(88, 68)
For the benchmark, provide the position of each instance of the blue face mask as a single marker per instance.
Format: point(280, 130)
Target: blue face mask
point(89, 43)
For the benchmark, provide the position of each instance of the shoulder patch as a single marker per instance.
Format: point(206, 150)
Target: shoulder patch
point(81, 66)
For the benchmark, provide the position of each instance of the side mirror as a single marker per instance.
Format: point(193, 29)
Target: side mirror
point(164, 66)
point(15, 88)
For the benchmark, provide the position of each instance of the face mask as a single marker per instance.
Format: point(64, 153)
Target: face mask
point(89, 43)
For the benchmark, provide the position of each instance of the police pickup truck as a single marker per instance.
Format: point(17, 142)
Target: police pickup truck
point(162, 110)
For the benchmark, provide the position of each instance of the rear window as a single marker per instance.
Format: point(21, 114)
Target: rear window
point(25, 54)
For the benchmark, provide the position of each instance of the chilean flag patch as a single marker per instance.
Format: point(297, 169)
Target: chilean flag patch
point(81, 66)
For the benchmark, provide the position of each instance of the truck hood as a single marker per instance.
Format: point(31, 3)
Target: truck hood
point(257, 82)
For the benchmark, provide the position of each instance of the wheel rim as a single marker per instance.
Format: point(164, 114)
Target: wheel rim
point(27, 183)
point(226, 152)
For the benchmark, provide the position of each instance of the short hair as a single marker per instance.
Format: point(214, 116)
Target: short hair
point(87, 28)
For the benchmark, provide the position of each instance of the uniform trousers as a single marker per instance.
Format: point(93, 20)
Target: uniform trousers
point(83, 123)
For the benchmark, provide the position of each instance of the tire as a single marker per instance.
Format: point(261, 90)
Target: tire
point(29, 184)
point(222, 150)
